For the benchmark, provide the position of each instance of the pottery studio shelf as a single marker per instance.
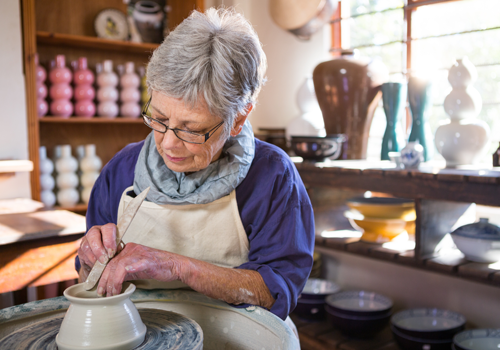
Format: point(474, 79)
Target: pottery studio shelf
point(81, 41)
point(441, 197)
point(118, 120)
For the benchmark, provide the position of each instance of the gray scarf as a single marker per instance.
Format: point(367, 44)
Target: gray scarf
point(204, 186)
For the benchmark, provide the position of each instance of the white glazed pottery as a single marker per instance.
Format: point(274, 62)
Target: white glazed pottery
point(477, 339)
point(412, 155)
point(479, 241)
point(100, 323)
point(462, 140)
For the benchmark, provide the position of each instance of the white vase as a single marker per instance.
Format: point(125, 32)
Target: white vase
point(47, 182)
point(463, 139)
point(67, 179)
point(90, 166)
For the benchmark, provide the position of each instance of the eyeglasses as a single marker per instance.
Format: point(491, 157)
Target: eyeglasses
point(184, 135)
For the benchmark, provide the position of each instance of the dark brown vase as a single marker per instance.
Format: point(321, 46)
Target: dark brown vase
point(348, 91)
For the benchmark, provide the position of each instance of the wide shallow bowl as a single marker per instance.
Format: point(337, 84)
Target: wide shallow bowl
point(388, 228)
point(317, 288)
point(359, 303)
point(408, 342)
point(106, 323)
point(477, 339)
point(384, 207)
point(357, 326)
point(318, 148)
point(428, 323)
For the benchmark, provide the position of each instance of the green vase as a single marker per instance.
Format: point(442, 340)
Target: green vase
point(394, 100)
point(419, 96)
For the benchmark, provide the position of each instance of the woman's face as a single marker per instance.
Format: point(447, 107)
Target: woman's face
point(182, 156)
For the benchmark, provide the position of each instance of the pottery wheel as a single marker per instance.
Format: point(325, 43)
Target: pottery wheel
point(165, 330)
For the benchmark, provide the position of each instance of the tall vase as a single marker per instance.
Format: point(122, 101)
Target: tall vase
point(47, 182)
point(348, 91)
point(463, 139)
point(394, 100)
point(90, 166)
point(41, 88)
point(107, 93)
point(419, 97)
point(130, 94)
point(61, 90)
point(67, 180)
point(84, 91)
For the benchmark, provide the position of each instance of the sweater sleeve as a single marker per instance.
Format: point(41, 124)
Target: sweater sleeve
point(278, 217)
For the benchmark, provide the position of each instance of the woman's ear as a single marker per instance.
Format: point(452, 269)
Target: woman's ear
point(240, 120)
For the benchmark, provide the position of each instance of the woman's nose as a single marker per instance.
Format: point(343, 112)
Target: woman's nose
point(170, 140)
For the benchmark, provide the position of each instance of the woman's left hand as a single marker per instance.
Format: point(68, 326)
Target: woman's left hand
point(134, 262)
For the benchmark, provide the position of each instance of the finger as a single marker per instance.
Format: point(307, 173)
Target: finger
point(118, 275)
point(85, 253)
point(109, 232)
point(94, 237)
point(138, 266)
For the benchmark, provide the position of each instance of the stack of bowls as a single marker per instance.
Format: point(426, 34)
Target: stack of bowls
point(477, 339)
point(358, 313)
point(479, 241)
point(382, 219)
point(311, 302)
point(426, 328)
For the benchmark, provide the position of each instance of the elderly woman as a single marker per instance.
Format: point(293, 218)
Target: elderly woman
point(227, 215)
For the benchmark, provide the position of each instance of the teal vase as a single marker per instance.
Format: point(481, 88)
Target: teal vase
point(419, 96)
point(394, 100)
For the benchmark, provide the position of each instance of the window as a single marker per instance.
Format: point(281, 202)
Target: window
point(425, 37)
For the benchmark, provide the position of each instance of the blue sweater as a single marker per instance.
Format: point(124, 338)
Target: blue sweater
point(274, 208)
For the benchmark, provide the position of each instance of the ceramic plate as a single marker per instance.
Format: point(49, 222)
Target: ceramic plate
point(166, 330)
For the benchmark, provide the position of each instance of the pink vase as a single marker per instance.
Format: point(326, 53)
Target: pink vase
point(41, 88)
point(107, 93)
point(61, 92)
point(84, 91)
point(130, 94)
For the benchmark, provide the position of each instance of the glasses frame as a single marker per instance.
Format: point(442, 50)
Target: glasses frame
point(206, 135)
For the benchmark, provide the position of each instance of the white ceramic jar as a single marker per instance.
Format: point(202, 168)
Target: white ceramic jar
point(67, 180)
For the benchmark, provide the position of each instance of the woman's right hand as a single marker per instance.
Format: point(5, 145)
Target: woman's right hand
point(98, 244)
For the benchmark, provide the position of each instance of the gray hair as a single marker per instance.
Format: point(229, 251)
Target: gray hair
point(213, 57)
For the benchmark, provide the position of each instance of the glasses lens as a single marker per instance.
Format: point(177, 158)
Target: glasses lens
point(188, 137)
point(153, 124)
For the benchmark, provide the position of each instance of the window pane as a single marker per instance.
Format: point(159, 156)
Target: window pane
point(391, 55)
point(375, 29)
point(358, 7)
point(437, 53)
point(455, 17)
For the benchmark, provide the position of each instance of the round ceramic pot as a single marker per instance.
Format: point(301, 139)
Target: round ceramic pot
point(100, 323)
point(318, 148)
point(479, 241)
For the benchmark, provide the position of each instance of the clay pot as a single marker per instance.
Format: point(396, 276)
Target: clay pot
point(100, 323)
point(348, 91)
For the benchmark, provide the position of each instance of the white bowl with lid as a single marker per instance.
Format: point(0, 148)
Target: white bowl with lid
point(479, 241)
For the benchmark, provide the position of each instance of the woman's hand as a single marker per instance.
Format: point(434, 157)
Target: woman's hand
point(134, 262)
point(98, 244)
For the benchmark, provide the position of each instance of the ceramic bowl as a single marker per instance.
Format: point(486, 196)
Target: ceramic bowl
point(105, 323)
point(311, 302)
point(388, 228)
point(319, 289)
point(384, 207)
point(359, 303)
point(407, 342)
point(477, 339)
point(318, 148)
point(357, 326)
point(428, 323)
point(479, 241)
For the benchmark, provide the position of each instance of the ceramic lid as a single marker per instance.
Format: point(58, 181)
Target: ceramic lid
point(482, 229)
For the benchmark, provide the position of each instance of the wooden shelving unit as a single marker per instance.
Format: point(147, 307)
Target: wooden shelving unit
point(441, 197)
point(54, 27)
point(80, 41)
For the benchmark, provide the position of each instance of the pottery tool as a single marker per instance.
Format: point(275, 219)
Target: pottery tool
point(123, 225)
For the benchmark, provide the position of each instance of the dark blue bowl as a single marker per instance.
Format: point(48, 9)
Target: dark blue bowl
point(357, 326)
point(359, 303)
point(310, 310)
point(318, 289)
point(407, 342)
point(477, 339)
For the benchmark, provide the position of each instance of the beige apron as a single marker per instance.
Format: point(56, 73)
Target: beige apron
point(211, 232)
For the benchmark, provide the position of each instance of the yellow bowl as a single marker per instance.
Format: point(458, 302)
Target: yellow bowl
point(388, 228)
point(384, 207)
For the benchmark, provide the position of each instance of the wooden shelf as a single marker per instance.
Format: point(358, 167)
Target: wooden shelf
point(80, 207)
point(468, 186)
point(80, 41)
point(118, 120)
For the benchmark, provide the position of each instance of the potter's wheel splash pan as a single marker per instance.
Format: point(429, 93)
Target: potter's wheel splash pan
point(165, 330)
